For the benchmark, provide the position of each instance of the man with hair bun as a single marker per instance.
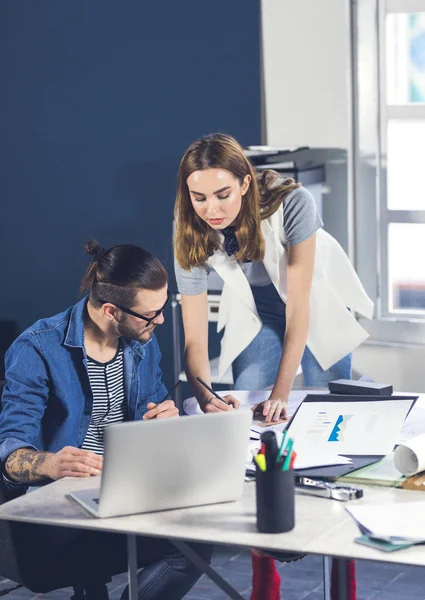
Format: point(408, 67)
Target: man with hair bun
point(71, 375)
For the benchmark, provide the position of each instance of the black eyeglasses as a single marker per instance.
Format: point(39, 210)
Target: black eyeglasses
point(135, 314)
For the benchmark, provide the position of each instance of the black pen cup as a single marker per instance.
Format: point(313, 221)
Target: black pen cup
point(275, 490)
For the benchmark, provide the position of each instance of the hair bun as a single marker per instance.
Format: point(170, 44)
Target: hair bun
point(94, 249)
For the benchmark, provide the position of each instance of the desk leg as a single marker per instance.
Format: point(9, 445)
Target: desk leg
point(205, 568)
point(132, 567)
point(326, 578)
point(341, 566)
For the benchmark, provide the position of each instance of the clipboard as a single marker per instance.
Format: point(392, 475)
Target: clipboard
point(415, 483)
point(259, 421)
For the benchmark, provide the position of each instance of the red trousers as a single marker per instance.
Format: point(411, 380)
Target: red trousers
point(266, 579)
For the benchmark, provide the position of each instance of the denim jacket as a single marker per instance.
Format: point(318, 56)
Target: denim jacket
point(47, 400)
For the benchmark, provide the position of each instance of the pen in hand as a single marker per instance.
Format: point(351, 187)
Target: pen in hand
point(168, 395)
point(212, 391)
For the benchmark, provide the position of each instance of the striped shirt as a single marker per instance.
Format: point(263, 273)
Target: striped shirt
point(109, 405)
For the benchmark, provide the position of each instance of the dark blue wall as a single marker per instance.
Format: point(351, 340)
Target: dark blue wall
point(98, 101)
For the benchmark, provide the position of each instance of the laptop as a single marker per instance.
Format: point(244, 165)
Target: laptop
point(171, 463)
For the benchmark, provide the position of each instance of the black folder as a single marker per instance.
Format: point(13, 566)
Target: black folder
point(333, 472)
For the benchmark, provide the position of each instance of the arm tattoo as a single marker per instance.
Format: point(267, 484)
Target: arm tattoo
point(24, 465)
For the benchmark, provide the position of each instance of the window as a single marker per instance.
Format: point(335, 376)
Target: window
point(391, 97)
point(406, 256)
point(405, 57)
point(402, 46)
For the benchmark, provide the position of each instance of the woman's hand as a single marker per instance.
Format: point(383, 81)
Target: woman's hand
point(272, 409)
point(216, 405)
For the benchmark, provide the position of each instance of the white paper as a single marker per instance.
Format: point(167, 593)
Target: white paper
point(253, 448)
point(414, 425)
point(305, 460)
point(400, 520)
point(357, 427)
point(249, 398)
point(246, 398)
point(409, 458)
point(257, 429)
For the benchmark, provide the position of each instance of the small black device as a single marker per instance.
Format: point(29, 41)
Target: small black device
point(360, 388)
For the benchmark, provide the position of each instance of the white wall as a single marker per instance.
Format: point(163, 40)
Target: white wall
point(400, 365)
point(306, 72)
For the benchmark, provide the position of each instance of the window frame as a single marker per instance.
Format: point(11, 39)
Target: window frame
point(369, 143)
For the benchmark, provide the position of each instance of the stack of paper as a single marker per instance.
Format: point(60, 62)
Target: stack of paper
point(390, 527)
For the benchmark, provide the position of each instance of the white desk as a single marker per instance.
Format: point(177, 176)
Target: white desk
point(322, 526)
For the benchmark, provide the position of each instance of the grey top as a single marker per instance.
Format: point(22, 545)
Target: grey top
point(300, 220)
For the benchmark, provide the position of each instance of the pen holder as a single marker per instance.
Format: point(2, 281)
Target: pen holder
point(275, 490)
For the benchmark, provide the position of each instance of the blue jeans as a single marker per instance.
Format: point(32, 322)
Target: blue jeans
point(256, 367)
point(167, 572)
point(89, 557)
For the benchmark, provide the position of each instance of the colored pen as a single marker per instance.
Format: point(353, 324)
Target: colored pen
point(212, 391)
point(171, 391)
point(260, 459)
point(268, 438)
point(293, 457)
point(287, 462)
point(282, 447)
point(282, 459)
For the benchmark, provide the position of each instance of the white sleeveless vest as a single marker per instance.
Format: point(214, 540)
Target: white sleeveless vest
point(333, 331)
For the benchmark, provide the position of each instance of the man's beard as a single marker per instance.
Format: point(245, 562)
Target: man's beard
point(127, 331)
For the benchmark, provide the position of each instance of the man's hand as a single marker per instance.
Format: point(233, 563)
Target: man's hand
point(30, 466)
point(216, 405)
point(272, 409)
point(73, 462)
point(164, 410)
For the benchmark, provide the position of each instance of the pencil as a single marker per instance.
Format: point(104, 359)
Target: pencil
point(212, 391)
point(171, 391)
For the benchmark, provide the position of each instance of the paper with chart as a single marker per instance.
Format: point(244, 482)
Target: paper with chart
point(359, 428)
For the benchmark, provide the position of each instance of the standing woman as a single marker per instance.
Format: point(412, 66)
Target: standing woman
point(288, 284)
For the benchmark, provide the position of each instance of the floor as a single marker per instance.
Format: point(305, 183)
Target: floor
point(299, 581)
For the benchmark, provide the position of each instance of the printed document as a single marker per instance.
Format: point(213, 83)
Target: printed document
point(359, 427)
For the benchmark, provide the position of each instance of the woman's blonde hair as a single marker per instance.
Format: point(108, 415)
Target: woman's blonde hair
point(194, 240)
